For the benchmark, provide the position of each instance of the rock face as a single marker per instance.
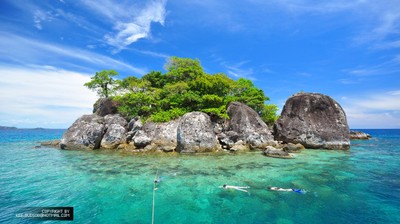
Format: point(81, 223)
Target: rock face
point(245, 124)
point(313, 120)
point(85, 133)
point(195, 134)
point(359, 135)
point(115, 130)
point(105, 106)
point(163, 135)
point(140, 139)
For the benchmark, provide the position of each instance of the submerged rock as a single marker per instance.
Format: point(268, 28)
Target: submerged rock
point(277, 153)
point(359, 135)
point(248, 126)
point(85, 133)
point(290, 147)
point(313, 120)
point(195, 134)
point(53, 143)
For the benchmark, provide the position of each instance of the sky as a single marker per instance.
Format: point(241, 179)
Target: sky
point(346, 49)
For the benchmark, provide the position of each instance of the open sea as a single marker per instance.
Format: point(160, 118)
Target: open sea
point(361, 185)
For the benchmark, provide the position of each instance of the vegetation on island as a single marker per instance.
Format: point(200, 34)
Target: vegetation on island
point(185, 87)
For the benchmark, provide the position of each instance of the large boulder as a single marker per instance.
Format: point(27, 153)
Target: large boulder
point(195, 134)
point(140, 139)
point(249, 126)
point(115, 131)
point(105, 106)
point(163, 135)
point(313, 120)
point(85, 133)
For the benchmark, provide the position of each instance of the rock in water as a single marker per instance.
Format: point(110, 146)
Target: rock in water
point(105, 106)
point(140, 139)
point(290, 147)
point(249, 125)
point(115, 130)
point(359, 135)
point(313, 120)
point(163, 135)
point(277, 153)
point(84, 133)
point(195, 134)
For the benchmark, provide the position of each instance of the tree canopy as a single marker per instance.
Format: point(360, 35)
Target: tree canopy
point(185, 87)
point(103, 83)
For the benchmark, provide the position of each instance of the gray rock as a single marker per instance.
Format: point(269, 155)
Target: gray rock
point(359, 135)
point(85, 133)
point(248, 125)
point(313, 120)
point(115, 131)
point(140, 139)
point(290, 147)
point(135, 124)
point(53, 143)
point(105, 106)
point(240, 146)
point(163, 135)
point(276, 153)
point(195, 134)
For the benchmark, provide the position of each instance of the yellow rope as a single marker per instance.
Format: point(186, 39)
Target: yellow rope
point(154, 196)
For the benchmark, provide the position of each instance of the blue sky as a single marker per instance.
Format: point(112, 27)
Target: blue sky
point(349, 50)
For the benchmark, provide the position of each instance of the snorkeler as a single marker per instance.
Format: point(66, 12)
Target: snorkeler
point(235, 187)
point(300, 191)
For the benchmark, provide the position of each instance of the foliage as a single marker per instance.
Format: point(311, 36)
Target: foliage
point(103, 83)
point(186, 87)
point(269, 114)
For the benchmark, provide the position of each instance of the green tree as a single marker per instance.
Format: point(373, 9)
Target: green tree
point(269, 114)
point(185, 87)
point(183, 69)
point(156, 79)
point(103, 83)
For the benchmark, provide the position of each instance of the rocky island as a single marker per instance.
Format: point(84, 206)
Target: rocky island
point(308, 120)
point(189, 111)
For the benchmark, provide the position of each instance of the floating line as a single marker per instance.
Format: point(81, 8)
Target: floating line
point(154, 196)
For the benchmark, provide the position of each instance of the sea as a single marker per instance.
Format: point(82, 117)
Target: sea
point(361, 185)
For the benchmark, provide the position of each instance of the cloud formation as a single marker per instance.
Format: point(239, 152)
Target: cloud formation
point(380, 110)
point(134, 26)
point(29, 51)
point(43, 97)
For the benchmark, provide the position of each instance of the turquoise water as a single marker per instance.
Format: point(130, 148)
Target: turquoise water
point(361, 185)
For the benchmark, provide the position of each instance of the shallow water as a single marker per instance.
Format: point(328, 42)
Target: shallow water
point(361, 185)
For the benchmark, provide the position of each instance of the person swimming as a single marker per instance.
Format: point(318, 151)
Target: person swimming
point(235, 187)
point(300, 191)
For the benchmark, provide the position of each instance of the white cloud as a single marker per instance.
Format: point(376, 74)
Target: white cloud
point(380, 110)
point(28, 51)
point(130, 22)
point(238, 71)
point(43, 97)
point(40, 16)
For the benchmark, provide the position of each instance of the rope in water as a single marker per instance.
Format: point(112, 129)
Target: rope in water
point(154, 196)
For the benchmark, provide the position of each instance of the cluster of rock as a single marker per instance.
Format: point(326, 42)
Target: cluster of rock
point(310, 120)
point(359, 135)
